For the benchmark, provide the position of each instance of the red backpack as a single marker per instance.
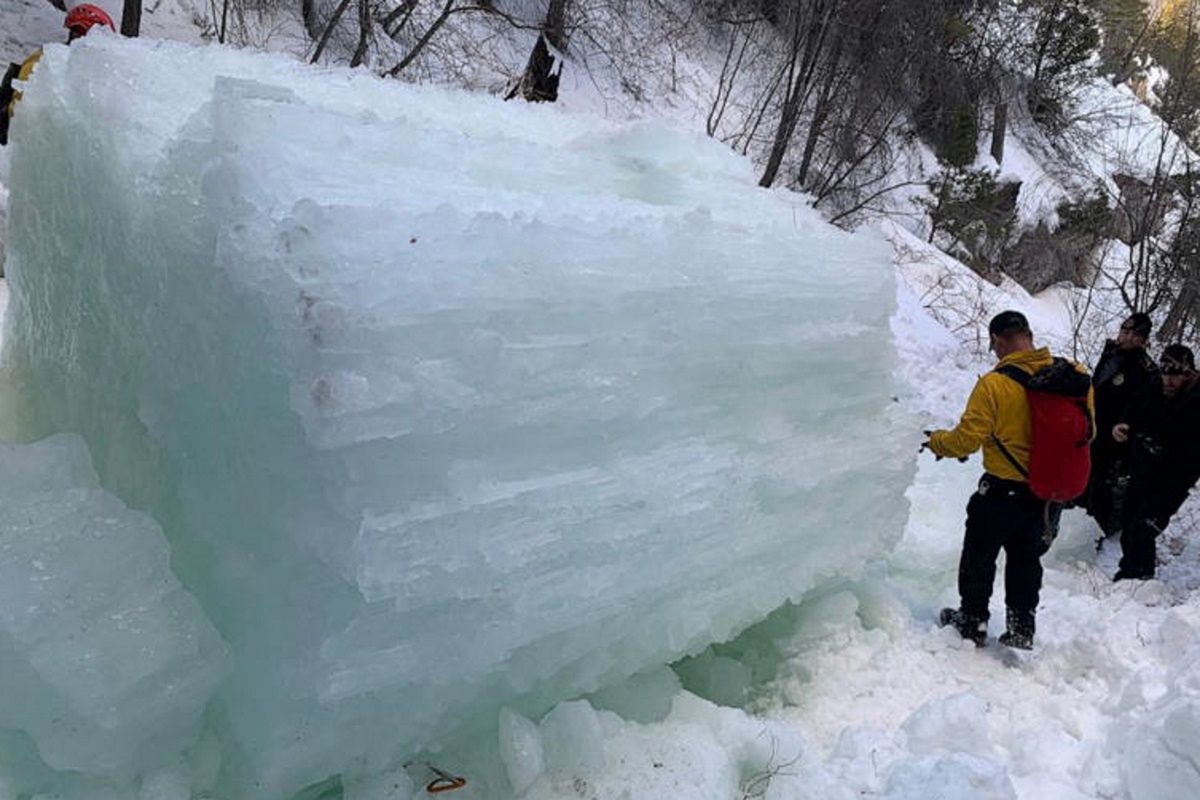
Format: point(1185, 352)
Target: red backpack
point(1061, 430)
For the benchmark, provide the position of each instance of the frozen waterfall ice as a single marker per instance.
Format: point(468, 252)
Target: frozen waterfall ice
point(444, 405)
point(106, 661)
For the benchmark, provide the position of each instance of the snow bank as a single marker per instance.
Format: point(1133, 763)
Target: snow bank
point(443, 404)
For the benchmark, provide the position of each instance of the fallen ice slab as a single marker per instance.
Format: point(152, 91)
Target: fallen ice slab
point(105, 660)
point(443, 403)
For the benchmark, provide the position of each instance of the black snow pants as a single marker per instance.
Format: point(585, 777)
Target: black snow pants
point(1139, 555)
point(1003, 514)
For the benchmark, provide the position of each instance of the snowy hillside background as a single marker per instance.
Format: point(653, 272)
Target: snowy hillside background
point(855, 692)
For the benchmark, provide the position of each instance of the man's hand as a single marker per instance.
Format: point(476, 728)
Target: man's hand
point(1120, 432)
point(926, 445)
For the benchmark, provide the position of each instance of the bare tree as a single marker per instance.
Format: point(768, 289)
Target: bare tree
point(131, 18)
point(430, 32)
point(740, 39)
point(809, 34)
point(334, 19)
point(555, 26)
point(539, 81)
point(364, 33)
point(308, 14)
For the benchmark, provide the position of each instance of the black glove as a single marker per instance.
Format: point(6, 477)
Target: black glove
point(927, 446)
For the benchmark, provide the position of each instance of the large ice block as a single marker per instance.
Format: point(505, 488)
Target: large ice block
point(443, 403)
point(105, 660)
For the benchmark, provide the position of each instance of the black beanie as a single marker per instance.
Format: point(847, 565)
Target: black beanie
point(1139, 323)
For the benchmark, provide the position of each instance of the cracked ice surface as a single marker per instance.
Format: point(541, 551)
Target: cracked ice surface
point(443, 404)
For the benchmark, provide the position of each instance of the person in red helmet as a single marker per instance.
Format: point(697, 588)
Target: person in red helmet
point(79, 21)
point(83, 18)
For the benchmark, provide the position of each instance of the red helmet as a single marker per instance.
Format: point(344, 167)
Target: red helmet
point(81, 18)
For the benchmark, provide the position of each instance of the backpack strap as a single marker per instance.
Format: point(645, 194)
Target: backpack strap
point(1016, 373)
point(1004, 451)
point(1022, 377)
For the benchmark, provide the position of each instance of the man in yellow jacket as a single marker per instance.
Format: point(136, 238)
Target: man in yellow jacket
point(1003, 512)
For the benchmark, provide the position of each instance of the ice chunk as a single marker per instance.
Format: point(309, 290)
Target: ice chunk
point(573, 739)
point(956, 776)
point(520, 750)
point(107, 662)
point(645, 697)
point(444, 404)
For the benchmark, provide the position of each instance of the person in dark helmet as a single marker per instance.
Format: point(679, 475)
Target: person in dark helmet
point(78, 22)
point(1003, 513)
point(1124, 372)
point(1163, 436)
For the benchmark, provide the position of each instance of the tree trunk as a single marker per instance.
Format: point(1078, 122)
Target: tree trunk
point(333, 21)
point(539, 83)
point(131, 18)
point(364, 33)
point(999, 129)
point(810, 43)
point(447, 10)
point(400, 13)
point(820, 113)
point(1185, 306)
point(555, 26)
point(308, 13)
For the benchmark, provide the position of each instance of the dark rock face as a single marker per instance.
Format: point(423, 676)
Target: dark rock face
point(1042, 258)
point(1140, 211)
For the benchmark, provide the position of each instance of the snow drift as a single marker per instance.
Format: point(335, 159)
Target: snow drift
point(442, 404)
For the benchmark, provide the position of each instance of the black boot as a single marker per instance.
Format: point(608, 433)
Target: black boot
point(1122, 575)
point(969, 626)
point(1020, 630)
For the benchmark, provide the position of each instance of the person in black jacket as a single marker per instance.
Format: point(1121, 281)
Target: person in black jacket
point(1164, 447)
point(1124, 372)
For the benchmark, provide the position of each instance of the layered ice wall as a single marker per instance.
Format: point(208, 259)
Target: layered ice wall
point(442, 403)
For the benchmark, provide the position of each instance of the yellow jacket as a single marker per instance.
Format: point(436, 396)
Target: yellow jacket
point(23, 75)
point(997, 407)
